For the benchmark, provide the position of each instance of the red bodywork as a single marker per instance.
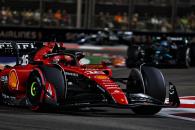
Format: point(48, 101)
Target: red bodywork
point(93, 72)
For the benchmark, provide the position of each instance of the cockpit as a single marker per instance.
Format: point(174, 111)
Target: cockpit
point(65, 59)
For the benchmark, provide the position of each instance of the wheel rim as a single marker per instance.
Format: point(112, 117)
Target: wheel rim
point(33, 89)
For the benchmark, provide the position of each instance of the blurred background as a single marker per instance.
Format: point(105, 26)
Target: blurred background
point(105, 23)
point(141, 15)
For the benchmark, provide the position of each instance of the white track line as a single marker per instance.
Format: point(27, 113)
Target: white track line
point(167, 112)
point(172, 112)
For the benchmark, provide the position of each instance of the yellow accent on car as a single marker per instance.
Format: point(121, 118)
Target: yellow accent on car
point(101, 77)
point(13, 80)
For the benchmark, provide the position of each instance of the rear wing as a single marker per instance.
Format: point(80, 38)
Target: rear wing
point(13, 53)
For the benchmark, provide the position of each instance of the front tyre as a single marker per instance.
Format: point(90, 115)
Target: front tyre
point(35, 91)
point(46, 89)
point(155, 87)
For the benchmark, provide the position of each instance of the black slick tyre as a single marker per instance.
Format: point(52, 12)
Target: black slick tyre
point(34, 91)
point(155, 87)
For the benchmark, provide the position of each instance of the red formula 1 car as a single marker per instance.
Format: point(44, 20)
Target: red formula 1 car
point(53, 78)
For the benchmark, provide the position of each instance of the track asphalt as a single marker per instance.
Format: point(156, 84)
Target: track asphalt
point(103, 118)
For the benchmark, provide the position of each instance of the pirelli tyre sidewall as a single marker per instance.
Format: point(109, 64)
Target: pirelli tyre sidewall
point(155, 87)
point(35, 90)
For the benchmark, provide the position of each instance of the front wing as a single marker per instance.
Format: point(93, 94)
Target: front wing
point(137, 100)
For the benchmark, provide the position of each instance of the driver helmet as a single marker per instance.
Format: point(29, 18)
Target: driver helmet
point(68, 58)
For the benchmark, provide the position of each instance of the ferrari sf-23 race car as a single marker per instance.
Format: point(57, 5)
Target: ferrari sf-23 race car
point(54, 78)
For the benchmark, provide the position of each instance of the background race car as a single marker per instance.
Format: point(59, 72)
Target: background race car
point(159, 50)
point(106, 36)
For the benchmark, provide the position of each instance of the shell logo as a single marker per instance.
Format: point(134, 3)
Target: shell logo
point(101, 77)
point(13, 79)
point(122, 100)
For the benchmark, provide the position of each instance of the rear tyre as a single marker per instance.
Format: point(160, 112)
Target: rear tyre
point(155, 87)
